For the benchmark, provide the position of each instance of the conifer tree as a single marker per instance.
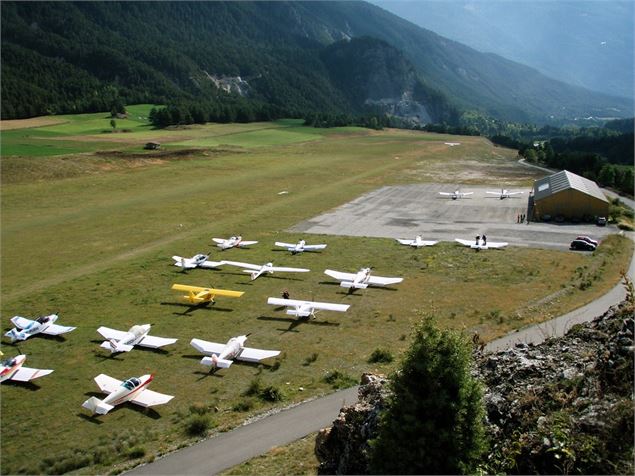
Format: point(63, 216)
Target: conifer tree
point(434, 421)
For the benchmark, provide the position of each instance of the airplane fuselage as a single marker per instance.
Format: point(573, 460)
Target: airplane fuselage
point(128, 390)
point(35, 327)
point(10, 366)
point(362, 277)
point(233, 348)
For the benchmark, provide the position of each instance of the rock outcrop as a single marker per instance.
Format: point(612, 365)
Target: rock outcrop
point(564, 406)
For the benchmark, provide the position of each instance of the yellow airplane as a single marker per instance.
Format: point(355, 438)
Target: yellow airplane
point(197, 295)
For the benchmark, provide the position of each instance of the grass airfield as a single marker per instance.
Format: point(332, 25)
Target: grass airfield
point(89, 234)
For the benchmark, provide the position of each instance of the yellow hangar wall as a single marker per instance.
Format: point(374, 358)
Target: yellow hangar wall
point(570, 203)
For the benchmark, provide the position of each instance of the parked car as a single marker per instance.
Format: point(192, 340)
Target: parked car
point(582, 245)
point(601, 221)
point(589, 240)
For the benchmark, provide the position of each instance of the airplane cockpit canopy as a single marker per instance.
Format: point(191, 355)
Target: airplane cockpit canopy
point(131, 383)
point(8, 362)
point(43, 319)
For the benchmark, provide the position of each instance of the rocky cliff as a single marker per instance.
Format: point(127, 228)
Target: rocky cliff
point(564, 406)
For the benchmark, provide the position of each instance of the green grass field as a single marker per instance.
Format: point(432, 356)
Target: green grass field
point(91, 235)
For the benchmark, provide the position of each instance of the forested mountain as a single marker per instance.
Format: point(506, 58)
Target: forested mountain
point(274, 58)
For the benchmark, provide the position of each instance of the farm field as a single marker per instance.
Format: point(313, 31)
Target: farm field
point(89, 234)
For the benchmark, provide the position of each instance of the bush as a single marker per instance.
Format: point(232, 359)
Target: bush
point(434, 421)
point(271, 394)
point(243, 405)
point(197, 425)
point(136, 452)
point(338, 379)
point(380, 355)
point(310, 359)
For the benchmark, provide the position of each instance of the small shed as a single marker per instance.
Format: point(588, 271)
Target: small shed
point(569, 196)
point(152, 146)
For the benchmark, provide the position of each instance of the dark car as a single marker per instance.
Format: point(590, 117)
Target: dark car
point(582, 245)
point(588, 240)
point(601, 221)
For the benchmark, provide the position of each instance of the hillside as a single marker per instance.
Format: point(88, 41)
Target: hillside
point(80, 57)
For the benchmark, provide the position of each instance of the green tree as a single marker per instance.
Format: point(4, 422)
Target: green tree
point(113, 124)
point(606, 177)
point(434, 421)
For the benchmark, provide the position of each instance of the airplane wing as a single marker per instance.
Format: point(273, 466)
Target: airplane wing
point(465, 242)
point(447, 194)
point(290, 270)
point(149, 398)
point(384, 281)
point(256, 355)
point(315, 305)
point(55, 330)
point(206, 347)
point(108, 333)
point(24, 374)
point(255, 267)
point(183, 262)
point(428, 242)
point(215, 292)
point(156, 342)
point(21, 322)
point(285, 245)
point(493, 193)
point(494, 244)
point(467, 193)
point(314, 247)
point(405, 242)
point(107, 384)
point(340, 276)
point(246, 243)
point(210, 264)
point(219, 240)
point(514, 193)
point(328, 306)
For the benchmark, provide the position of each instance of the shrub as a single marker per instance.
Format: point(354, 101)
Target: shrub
point(380, 355)
point(197, 425)
point(136, 452)
point(337, 379)
point(271, 394)
point(243, 405)
point(310, 359)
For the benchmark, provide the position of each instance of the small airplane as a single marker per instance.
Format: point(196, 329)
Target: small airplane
point(196, 261)
point(306, 308)
point(133, 390)
point(299, 247)
point(361, 280)
point(221, 355)
point(198, 295)
point(233, 242)
point(417, 242)
point(257, 270)
point(25, 328)
point(481, 243)
point(119, 341)
point(12, 369)
point(456, 194)
point(504, 193)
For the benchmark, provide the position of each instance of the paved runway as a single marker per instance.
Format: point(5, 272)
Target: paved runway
point(407, 210)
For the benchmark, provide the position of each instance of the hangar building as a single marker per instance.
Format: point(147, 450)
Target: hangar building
point(567, 195)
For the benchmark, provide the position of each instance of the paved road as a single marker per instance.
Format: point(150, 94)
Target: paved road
point(234, 447)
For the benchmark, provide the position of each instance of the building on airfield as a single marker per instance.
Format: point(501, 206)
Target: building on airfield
point(565, 196)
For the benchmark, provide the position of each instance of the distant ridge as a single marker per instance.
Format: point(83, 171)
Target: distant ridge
point(62, 57)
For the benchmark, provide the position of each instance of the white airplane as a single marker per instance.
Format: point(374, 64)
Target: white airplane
point(481, 244)
point(196, 261)
point(299, 247)
point(456, 194)
point(306, 308)
point(133, 390)
point(232, 242)
point(221, 355)
point(417, 242)
point(25, 328)
point(361, 280)
point(13, 369)
point(119, 341)
point(256, 269)
point(504, 193)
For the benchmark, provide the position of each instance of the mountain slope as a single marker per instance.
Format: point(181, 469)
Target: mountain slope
point(65, 57)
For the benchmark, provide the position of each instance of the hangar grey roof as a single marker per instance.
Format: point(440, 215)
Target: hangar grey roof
point(563, 181)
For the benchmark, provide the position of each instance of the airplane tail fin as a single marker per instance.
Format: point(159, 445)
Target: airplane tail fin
point(114, 346)
point(14, 335)
point(214, 361)
point(96, 405)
